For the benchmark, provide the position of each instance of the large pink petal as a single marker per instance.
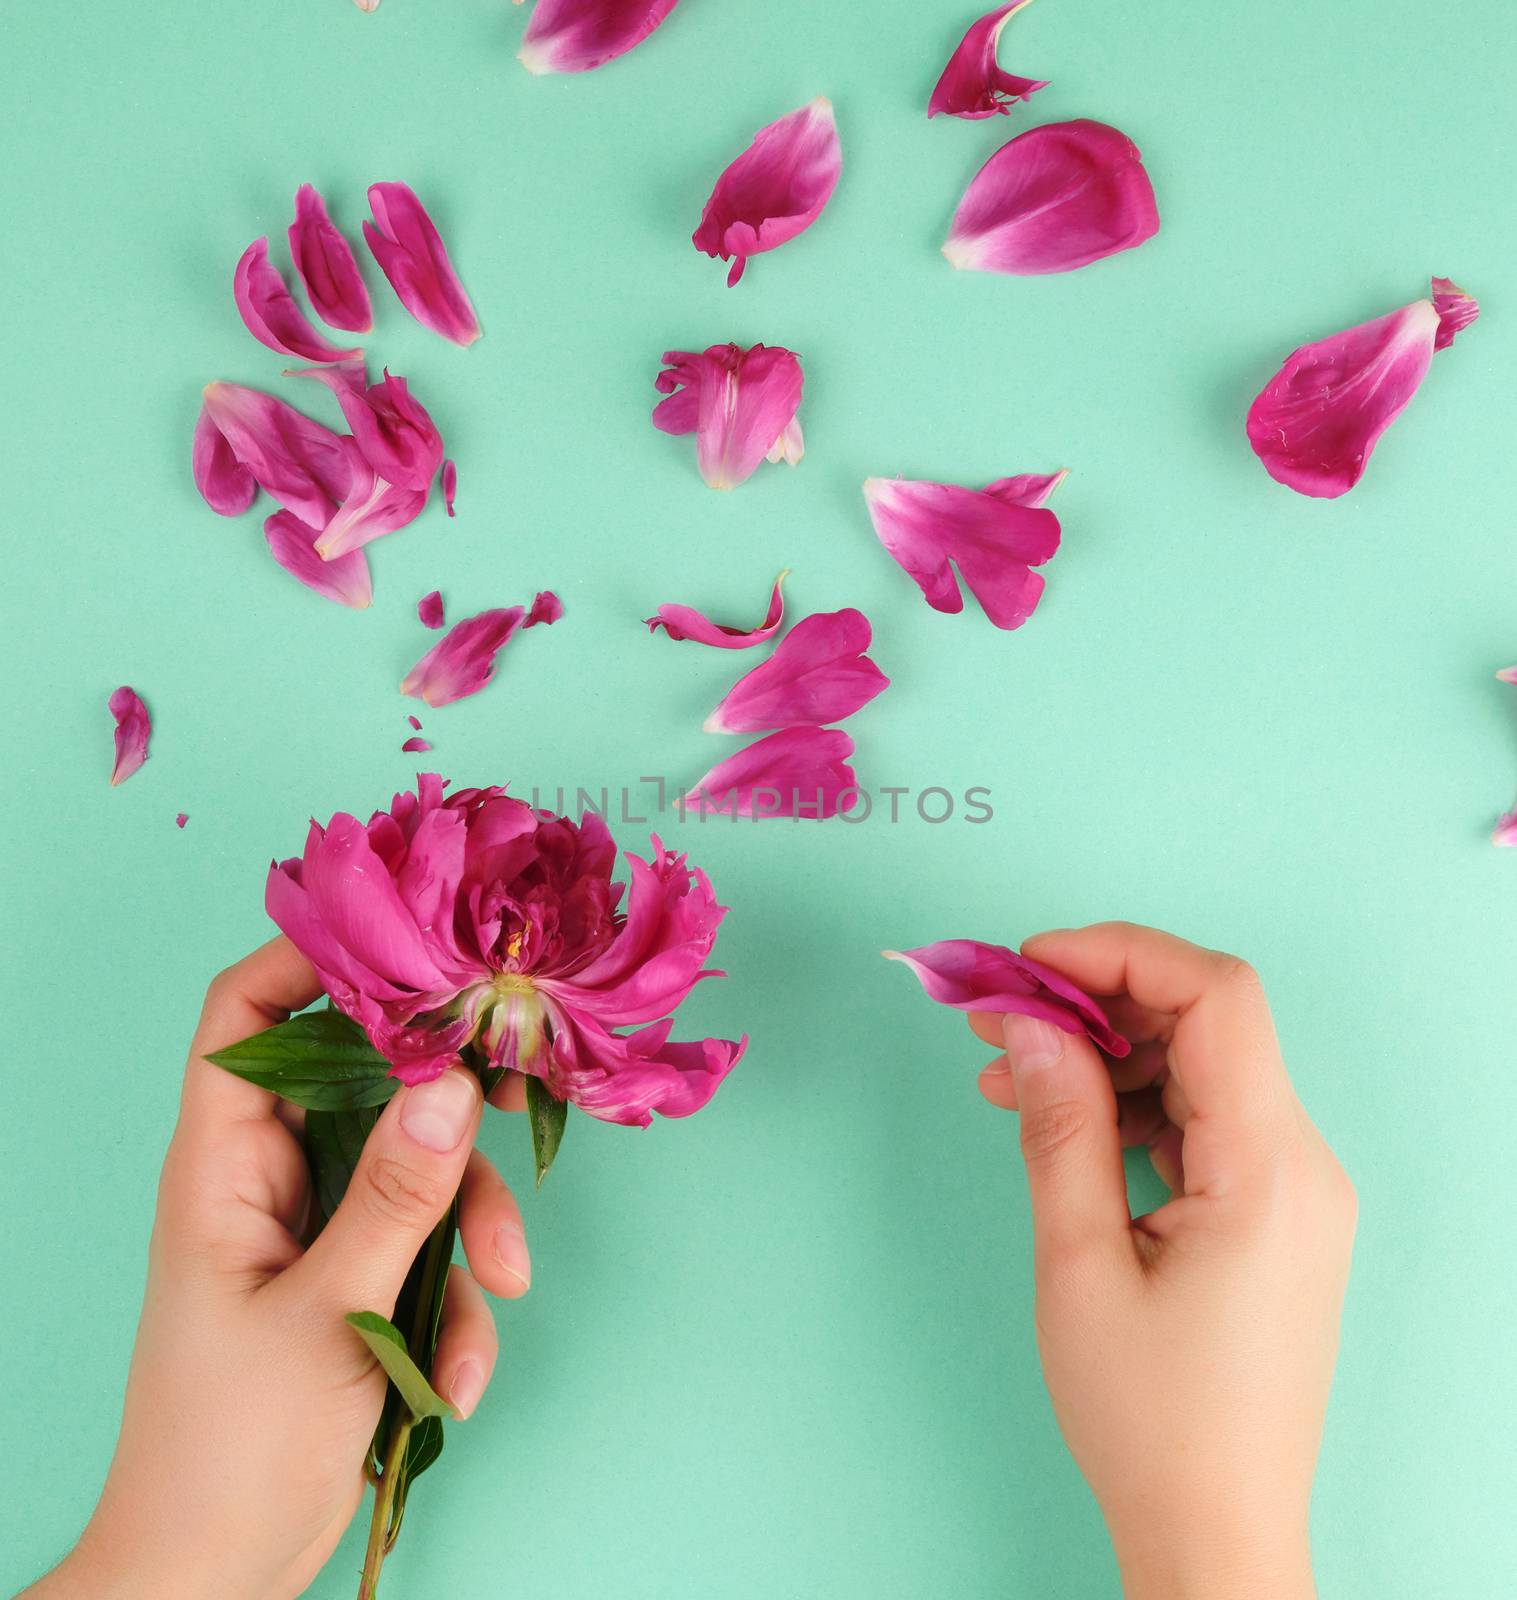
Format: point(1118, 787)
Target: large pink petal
point(302, 464)
point(684, 622)
point(271, 315)
point(973, 84)
point(133, 729)
point(324, 260)
point(776, 189)
point(392, 428)
point(819, 673)
point(1053, 199)
point(577, 35)
point(738, 403)
point(995, 536)
point(1316, 423)
point(293, 545)
point(971, 976)
point(410, 253)
point(371, 509)
point(225, 485)
point(798, 772)
point(462, 662)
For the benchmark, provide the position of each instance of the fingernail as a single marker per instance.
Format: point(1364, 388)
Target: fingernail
point(511, 1253)
point(438, 1114)
point(1031, 1043)
point(467, 1386)
point(996, 1069)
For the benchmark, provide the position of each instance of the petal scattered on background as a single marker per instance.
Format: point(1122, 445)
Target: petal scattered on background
point(414, 747)
point(738, 403)
point(410, 253)
point(684, 622)
point(462, 662)
point(372, 508)
point(449, 486)
point(819, 673)
point(415, 723)
point(546, 608)
point(1507, 675)
point(994, 536)
point(798, 772)
point(367, 5)
point(272, 316)
point(225, 485)
point(973, 84)
point(302, 464)
point(181, 818)
point(971, 976)
point(133, 729)
point(578, 35)
point(1054, 198)
point(392, 429)
point(344, 579)
point(776, 189)
point(1505, 833)
point(429, 610)
point(324, 260)
point(1316, 423)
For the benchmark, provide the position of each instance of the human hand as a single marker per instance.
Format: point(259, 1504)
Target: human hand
point(250, 1403)
point(1188, 1352)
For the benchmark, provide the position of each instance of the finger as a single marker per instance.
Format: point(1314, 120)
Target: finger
point(1146, 1066)
point(986, 1025)
point(1140, 1118)
point(489, 1223)
point(1166, 1155)
point(510, 1094)
point(997, 1084)
point(467, 1344)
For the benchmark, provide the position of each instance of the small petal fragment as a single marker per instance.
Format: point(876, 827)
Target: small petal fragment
point(414, 747)
point(462, 662)
point(429, 610)
point(819, 673)
point(738, 403)
point(302, 464)
point(994, 536)
point(776, 189)
point(345, 578)
point(410, 253)
point(449, 486)
point(973, 84)
point(684, 622)
point(225, 485)
point(578, 35)
point(798, 772)
point(1507, 675)
point(181, 818)
point(971, 976)
point(272, 316)
point(367, 5)
point(133, 729)
point(1505, 833)
point(415, 723)
point(1316, 423)
point(547, 608)
point(324, 259)
point(1053, 199)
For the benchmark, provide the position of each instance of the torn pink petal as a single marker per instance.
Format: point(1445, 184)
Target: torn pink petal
point(271, 315)
point(1053, 199)
point(971, 976)
point(462, 662)
point(1505, 832)
point(994, 536)
point(372, 508)
point(684, 622)
point(414, 747)
point(181, 818)
point(973, 84)
point(738, 403)
point(449, 486)
point(324, 260)
point(411, 254)
point(344, 579)
point(415, 722)
point(775, 190)
point(392, 428)
point(133, 729)
point(1316, 423)
point(819, 673)
point(302, 464)
point(429, 610)
point(578, 35)
point(798, 772)
point(547, 608)
point(225, 485)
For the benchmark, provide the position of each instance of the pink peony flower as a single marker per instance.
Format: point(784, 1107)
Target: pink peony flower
point(740, 405)
point(474, 921)
point(973, 84)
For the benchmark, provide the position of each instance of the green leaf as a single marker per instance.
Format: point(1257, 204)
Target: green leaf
point(334, 1142)
point(321, 1060)
point(423, 1447)
point(546, 1113)
point(388, 1344)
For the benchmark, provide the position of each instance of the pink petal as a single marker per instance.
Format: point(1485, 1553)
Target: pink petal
point(1505, 833)
point(391, 428)
point(345, 578)
point(1053, 199)
point(625, 1077)
point(971, 976)
point(272, 317)
point(577, 35)
point(798, 772)
point(449, 486)
point(462, 662)
point(415, 723)
point(133, 728)
point(1507, 675)
point(776, 189)
point(225, 485)
point(410, 253)
point(738, 403)
point(367, 5)
point(819, 673)
point(973, 85)
point(372, 508)
point(1316, 423)
point(429, 610)
point(303, 465)
point(994, 536)
point(181, 818)
point(324, 260)
point(547, 608)
point(684, 622)
point(415, 746)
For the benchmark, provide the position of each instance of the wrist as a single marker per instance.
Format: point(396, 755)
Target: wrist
point(1210, 1563)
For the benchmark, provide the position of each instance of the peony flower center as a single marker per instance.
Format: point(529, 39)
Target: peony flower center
point(514, 1031)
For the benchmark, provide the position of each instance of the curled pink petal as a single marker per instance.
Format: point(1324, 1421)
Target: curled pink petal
point(429, 610)
point(181, 818)
point(973, 84)
point(449, 482)
point(410, 253)
point(133, 729)
point(1054, 198)
point(684, 622)
point(546, 608)
point(415, 723)
point(225, 485)
point(462, 662)
point(324, 260)
point(738, 403)
point(776, 189)
point(1505, 833)
point(302, 464)
point(819, 673)
point(393, 430)
point(272, 316)
point(798, 772)
point(415, 746)
point(971, 976)
point(578, 35)
point(345, 578)
point(1316, 423)
point(994, 536)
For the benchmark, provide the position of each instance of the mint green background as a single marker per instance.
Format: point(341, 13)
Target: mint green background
point(785, 1349)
